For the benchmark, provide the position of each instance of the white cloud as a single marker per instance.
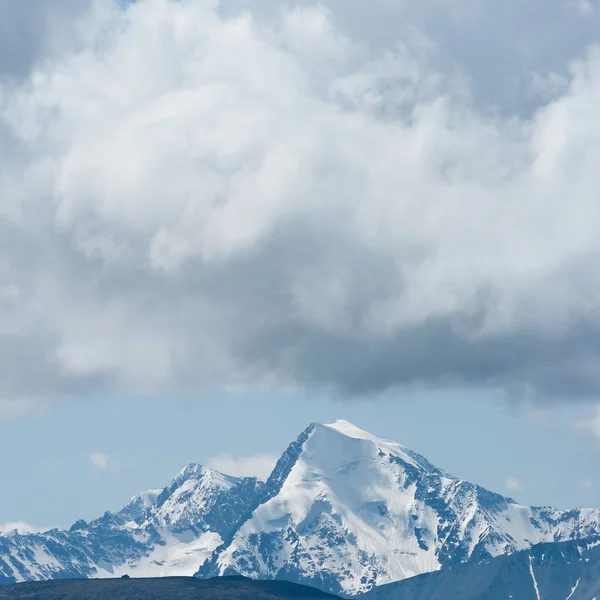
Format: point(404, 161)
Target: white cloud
point(259, 465)
point(513, 484)
point(99, 460)
point(20, 527)
point(586, 484)
point(195, 195)
point(584, 8)
point(14, 408)
point(591, 423)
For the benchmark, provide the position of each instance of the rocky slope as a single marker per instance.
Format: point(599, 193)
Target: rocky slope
point(160, 532)
point(555, 571)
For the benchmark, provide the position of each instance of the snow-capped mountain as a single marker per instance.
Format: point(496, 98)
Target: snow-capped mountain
point(160, 532)
point(342, 511)
point(554, 571)
point(345, 511)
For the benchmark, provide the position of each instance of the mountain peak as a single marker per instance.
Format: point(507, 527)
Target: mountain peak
point(382, 446)
point(342, 423)
point(343, 510)
point(348, 429)
point(195, 471)
point(352, 431)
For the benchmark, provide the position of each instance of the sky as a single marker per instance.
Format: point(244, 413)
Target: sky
point(79, 461)
point(221, 220)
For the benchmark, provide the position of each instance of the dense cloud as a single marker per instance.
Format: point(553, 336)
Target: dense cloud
point(340, 195)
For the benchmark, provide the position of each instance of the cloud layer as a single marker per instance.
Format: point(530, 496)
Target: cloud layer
point(331, 195)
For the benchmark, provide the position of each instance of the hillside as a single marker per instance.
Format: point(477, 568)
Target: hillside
point(171, 588)
point(554, 571)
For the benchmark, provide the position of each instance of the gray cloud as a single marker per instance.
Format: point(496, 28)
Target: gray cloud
point(33, 31)
point(332, 195)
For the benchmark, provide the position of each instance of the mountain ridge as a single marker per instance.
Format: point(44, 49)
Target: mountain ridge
point(342, 511)
point(182, 588)
point(548, 571)
point(166, 532)
point(352, 511)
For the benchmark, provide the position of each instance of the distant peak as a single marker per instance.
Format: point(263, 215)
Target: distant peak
point(147, 498)
point(197, 471)
point(191, 470)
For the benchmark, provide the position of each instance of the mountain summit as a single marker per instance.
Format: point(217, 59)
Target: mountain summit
point(345, 511)
point(342, 511)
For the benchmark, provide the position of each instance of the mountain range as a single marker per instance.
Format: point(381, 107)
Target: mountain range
point(343, 511)
point(158, 533)
point(551, 571)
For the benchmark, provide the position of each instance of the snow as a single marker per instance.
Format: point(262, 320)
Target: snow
point(574, 589)
point(147, 498)
point(159, 532)
point(323, 485)
point(211, 476)
point(354, 508)
point(535, 583)
point(349, 430)
point(20, 527)
point(346, 511)
point(178, 557)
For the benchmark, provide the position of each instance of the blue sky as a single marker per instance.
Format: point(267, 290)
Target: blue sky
point(53, 481)
point(379, 211)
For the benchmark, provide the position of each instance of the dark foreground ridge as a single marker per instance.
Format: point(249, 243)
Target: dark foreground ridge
point(168, 588)
point(552, 571)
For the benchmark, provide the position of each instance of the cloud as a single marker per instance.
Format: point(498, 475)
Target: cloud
point(585, 7)
point(20, 527)
point(99, 460)
point(333, 196)
point(30, 32)
point(591, 424)
point(586, 484)
point(13, 408)
point(513, 484)
point(259, 465)
point(538, 416)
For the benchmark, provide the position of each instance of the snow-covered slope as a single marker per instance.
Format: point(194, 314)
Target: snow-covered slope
point(554, 571)
point(160, 532)
point(345, 511)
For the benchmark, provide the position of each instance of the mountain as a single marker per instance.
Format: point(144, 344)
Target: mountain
point(161, 532)
point(182, 588)
point(555, 571)
point(345, 511)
